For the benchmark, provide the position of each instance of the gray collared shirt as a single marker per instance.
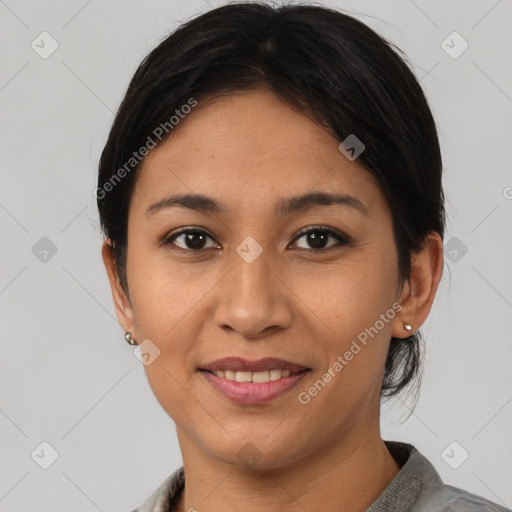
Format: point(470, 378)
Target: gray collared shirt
point(416, 488)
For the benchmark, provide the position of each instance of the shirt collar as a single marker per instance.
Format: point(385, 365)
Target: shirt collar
point(399, 495)
point(404, 490)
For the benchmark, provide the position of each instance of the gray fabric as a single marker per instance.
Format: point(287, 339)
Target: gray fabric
point(419, 488)
point(166, 495)
point(416, 488)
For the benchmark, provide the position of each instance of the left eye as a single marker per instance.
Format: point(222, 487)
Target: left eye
point(317, 238)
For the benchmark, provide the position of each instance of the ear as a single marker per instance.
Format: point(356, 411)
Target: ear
point(121, 301)
point(418, 293)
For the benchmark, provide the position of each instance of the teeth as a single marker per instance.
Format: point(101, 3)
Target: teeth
point(276, 374)
point(261, 376)
point(265, 376)
point(243, 376)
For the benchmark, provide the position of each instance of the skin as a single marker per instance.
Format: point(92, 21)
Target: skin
point(293, 302)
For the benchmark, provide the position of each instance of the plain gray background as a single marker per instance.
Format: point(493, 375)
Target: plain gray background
point(67, 376)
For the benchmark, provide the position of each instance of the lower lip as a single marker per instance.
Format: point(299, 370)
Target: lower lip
point(253, 392)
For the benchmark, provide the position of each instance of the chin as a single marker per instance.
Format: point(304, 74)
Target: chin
point(254, 452)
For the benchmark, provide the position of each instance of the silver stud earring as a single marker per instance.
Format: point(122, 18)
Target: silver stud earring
point(129, 338)
point(408, 327)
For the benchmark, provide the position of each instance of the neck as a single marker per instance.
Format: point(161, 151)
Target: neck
point(347, 475)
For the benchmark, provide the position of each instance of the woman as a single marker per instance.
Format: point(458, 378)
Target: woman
point(273, 212)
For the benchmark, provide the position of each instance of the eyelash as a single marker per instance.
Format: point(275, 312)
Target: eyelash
point(342, 239)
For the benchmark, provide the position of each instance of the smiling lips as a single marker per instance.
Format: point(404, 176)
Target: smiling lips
point(239, 364)
point(262, 370)
point(251, 382)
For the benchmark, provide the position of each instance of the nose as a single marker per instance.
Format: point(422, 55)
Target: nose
point(253, 300)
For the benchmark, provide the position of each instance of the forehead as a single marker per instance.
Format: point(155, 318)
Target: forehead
point(250, 147)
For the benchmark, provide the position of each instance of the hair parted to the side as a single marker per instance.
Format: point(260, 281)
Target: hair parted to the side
point(322, 62)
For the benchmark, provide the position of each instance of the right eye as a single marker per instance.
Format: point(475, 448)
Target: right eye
point(192, 240)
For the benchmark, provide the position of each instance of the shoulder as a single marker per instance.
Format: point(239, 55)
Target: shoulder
point(164, 497)
point(453, 499)
point(419, 488)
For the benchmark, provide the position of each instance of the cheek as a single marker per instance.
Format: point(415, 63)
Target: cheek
point(170, 305)
point(354, 340)
point(352, 317)
point(162, 294)
point(348, 296)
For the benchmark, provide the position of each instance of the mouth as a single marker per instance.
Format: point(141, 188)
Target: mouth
point(238, 364)
point(255, 382)
point(256, 377)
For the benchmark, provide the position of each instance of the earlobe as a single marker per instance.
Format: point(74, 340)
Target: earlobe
point(418, 296)
point(121, 302)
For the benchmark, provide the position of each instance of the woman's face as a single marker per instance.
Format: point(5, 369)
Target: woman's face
point(254, 286)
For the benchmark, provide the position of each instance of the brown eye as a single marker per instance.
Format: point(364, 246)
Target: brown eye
point(190, 239)
point(318, 237)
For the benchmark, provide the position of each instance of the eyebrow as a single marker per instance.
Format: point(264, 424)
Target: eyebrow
point(205, 204)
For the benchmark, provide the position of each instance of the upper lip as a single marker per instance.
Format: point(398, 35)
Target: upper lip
point(238, 364)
